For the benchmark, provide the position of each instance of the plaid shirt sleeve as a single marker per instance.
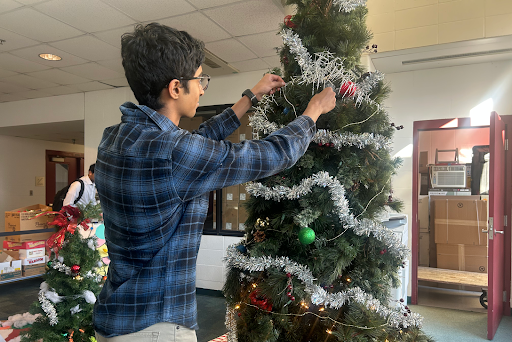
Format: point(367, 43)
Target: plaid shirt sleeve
point(200, 165)
point(220, 126)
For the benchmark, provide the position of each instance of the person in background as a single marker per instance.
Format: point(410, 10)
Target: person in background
point(89, 194)
point(154, 179)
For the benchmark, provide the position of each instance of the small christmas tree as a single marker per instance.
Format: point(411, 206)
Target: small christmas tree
point(316, 264)
point(71, 284)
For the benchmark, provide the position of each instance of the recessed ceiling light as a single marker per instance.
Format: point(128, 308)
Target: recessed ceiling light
point(50, 57)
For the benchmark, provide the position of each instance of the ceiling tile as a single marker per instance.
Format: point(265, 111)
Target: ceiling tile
point(230, 50)
point(14, 41)
point(113, 64)
point(210, 3)
point(93, 71)
point(91, 86)
point(140, 11)
point(11, 97)
point(118, 82)
point(8, 5)
point(198, 26)
point(263, 15)
point(61, 90)
point(250, 65)
point(5, 73)
point(29, 82)
point(32, 54)
point(8, 88)
point(35, 25)
point(113, 37)
point(13, 63)
point(263, 44)
point(273, 61)
point(32, 94)
point(88, 47)
point(30, 2)
point(59, 77)
point(90, 15)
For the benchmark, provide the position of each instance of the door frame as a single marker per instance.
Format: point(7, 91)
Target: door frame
point(50, 165)
point(457, 123)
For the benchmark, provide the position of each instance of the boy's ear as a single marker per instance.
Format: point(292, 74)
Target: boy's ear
point(174, 89)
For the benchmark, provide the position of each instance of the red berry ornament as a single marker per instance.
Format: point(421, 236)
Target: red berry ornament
point(348, 89)
point(75, 269)
point(288, 21)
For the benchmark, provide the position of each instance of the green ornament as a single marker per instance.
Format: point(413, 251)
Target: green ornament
point(49, 264)
point(306, 235)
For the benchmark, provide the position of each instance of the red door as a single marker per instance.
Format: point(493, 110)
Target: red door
point(496, 224)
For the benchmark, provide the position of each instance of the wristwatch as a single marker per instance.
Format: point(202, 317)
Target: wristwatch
point(251, 96)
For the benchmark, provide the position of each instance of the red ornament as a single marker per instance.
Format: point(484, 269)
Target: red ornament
point(75, 269)
point(288, 21)
point(260, 301)
point(348, 89)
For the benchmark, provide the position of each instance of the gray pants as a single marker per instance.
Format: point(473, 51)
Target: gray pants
point(160, 332)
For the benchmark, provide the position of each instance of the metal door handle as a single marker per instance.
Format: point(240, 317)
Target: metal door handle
point(485, 231)
point(499, 232)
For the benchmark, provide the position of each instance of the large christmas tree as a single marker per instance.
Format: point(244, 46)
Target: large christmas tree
point(72, 281)
point(316, 264)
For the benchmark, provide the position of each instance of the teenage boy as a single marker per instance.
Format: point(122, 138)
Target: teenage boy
point(154, 179)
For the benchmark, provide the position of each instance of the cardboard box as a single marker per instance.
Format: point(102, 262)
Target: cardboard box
point(28, 237)
point(423, 162)
point(243, 195)
point(229, 217)
point(30, 270)
point(423, 213)
point(460, 221)
point(424, 247)
point(10, 268)
point(230, 194)
point(24, 245)
point(242, 217)
point(22, 218)
point(191, 124)
point(32, 253)
point(462, 257)
point(26, 261)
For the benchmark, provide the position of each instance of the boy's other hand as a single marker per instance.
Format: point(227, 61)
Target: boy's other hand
point(321, 103)
point(268, 85)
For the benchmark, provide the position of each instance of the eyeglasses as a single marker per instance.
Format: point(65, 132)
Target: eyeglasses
point(204, 80)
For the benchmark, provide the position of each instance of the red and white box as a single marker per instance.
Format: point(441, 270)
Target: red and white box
point(32, 253)
point(24, 245)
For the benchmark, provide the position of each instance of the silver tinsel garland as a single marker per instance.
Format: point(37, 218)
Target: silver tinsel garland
point(341, 208)
point(61, 267)
point(395, 317)
point(259, 122)
point(231, 324)
point(48, 308)
point(348, 5)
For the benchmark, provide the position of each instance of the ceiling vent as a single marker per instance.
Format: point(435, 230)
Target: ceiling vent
point(457, 56)
point(214, 66)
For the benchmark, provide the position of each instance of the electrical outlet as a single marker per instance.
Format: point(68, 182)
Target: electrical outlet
point(31, 192)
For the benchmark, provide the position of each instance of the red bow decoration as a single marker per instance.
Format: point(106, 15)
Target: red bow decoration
point(67, 218)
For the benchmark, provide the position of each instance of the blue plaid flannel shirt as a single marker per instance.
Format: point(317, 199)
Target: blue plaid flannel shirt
point(153, 181)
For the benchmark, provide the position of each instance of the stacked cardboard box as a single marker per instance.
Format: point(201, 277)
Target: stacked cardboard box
point(32, 255)
point(22, 219)
point(460, 243)
point(10, 268)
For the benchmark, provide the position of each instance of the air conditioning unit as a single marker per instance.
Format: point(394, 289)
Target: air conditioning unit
point(453, 176)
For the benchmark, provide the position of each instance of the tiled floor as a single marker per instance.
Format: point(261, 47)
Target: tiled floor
point(466, 324)
point(16, 298)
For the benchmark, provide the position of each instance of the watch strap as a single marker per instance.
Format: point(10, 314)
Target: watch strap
point(251, 96)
